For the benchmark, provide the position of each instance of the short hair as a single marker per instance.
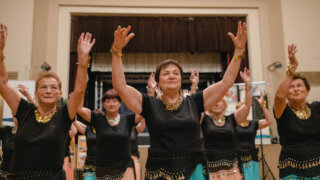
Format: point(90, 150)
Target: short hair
point(239, 104)
point(48, 75)
point(110, 94)
point(164, 64)
point(303, 78)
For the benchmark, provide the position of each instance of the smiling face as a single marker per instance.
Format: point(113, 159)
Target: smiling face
point(298, 91)
point(220, 107)
point(48, 91)
point(112, 106)
point(170, 78)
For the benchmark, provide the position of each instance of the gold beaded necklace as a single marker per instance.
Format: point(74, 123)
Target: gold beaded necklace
point(218, 122)
point(43, 119)
point(302, 115)
point(172, 106)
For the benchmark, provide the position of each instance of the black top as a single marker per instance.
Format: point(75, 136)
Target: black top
point(133, 140)
point(245, 136)
point(67, 147)
point(91, 140)
point(219, 137)
point(292, 130)
point(39, 146)
point(177, 131)
point(7, 146)
point(113, 142)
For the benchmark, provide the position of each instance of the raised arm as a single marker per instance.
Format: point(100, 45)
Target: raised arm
point(215, 92)
point(80, 126)
point(24, 91)
point(194, 78)
point(242, 113)
point(84, 112)
point(268, 118)
point(73, 131)
point(8, 92)
point(83, 49)
point(283, 89)
point(152, 85)
point(129, 95)
point(141, 126)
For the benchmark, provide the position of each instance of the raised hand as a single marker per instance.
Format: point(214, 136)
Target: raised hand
point(240, 39)
point(23, 90)
point(3, 37)
point(261, 99)
point(152, 84)
point(121, 38)
point(245, 75)
point(292, 49)
point(194, 77)
point(83, 48)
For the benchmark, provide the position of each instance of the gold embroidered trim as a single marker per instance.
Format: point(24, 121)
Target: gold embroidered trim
point(289, 162)
point(162, 173)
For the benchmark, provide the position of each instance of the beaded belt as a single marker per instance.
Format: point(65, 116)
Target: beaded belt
point(112, 170)
point(31, 174)
point(172, 165)
point(300, 156)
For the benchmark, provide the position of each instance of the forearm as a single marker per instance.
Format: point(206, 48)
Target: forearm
point(284, 87)
point(193, 88)
point(80, 126)
point(232, 71)
point(248, 95)
point(118, 77)
point(3, 73)
point(267, 115)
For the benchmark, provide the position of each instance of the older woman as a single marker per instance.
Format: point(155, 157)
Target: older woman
point(218, 132)
point(298, 125)
point(173, 121)
point(245, 134)
point(113, 158)
point(42, 130)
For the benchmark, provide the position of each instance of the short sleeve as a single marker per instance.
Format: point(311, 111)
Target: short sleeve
point(255, 124)
point(146, 105)
point(94, 117)
point(66, 118)
point(24, 108)
point(198, 99)
point(131, 119)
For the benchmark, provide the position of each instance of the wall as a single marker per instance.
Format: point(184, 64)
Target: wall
point(18, 16)
point(301, 26)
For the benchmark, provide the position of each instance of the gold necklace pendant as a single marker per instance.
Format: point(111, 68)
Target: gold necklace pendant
point(218, 122)
point(43, 119)
point(302, 115)
point(174, 106)
point(113, 122)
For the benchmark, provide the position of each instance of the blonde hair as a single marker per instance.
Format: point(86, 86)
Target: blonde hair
point(48, 75)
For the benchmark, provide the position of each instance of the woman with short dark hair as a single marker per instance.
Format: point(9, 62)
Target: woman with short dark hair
point(298, 125)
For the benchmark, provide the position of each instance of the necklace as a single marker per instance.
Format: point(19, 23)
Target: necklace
point(113, 122)
point(302, 115)
point(43, 119)
point(218, 122)
point(172, 106)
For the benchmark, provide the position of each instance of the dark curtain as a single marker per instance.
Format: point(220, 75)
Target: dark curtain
point(159, 34)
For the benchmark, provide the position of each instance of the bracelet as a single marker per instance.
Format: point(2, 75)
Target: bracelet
point(263, 104)
point(290, 72)
point(88, 64)
point(192, 87)
point(235, 57)
point(248, 87)
point(2, 58)
point(113, 52)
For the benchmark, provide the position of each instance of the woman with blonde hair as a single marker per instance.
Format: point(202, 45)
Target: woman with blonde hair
point(42, 130)
point(218, 132)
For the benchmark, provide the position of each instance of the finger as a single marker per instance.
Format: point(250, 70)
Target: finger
point(131, 35)
point(239, 31)
point(81, 37)
point(86, 37)
point(232, 37)
point(197, 73)
point(93, 41)
point(126, 31)
point(89, 37)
